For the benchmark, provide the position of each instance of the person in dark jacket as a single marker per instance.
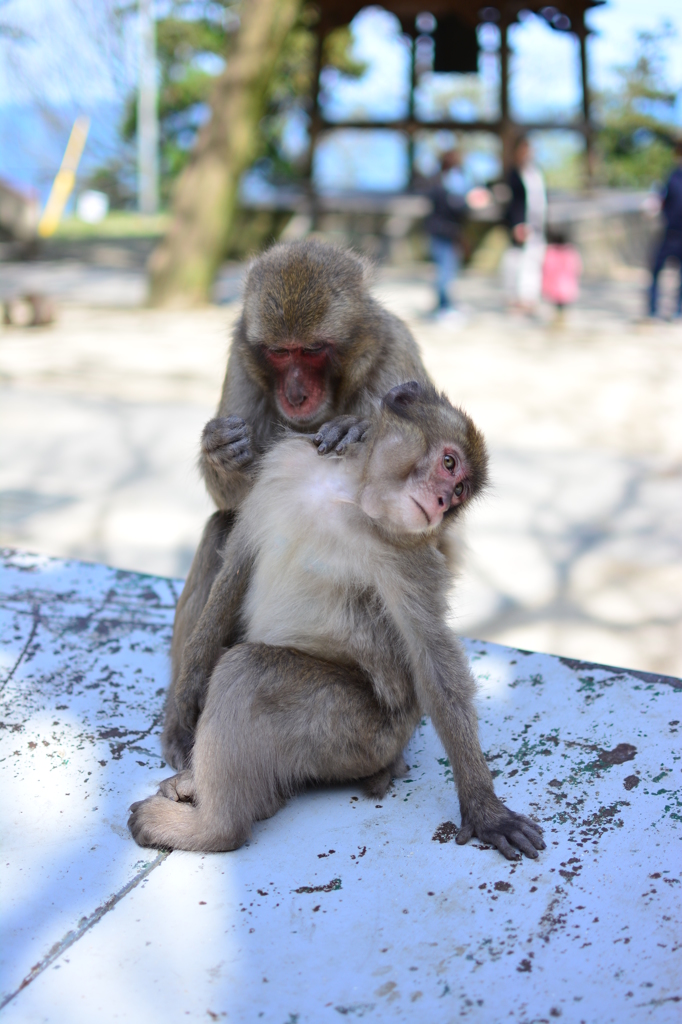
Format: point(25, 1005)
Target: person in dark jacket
point(444, 226)
point(672, 239)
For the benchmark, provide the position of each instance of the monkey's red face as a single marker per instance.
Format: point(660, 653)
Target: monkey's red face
point(302, 380)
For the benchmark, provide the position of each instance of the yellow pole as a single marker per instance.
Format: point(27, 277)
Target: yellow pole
point(62, 186)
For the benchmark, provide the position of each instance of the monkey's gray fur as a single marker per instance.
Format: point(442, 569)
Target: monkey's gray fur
point(331, 601)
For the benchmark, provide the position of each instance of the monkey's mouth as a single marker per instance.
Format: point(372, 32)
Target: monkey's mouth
point(422, 510)
point(301, 404)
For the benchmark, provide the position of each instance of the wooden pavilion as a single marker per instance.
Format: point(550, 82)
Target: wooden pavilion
point(456, 22)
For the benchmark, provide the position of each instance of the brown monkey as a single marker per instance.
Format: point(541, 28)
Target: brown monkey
point(311, 346)
point(332, 601)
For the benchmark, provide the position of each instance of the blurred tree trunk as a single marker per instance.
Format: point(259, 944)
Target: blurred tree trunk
point(183, 266)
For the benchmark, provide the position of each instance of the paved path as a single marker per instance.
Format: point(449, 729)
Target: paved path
point(576, 549)
point(338, 908)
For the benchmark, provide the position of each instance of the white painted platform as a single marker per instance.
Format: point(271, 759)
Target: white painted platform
point(338, 908)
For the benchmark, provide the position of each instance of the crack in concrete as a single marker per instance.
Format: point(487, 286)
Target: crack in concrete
point(35, 611)
point(84, 925)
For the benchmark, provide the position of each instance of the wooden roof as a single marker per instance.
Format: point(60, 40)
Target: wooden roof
point(340, 12)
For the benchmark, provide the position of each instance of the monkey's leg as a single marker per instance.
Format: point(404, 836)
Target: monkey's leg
point(274, 720)
point(176, 741)
point(377, 785)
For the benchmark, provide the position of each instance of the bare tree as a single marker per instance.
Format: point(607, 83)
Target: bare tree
point(183, 266)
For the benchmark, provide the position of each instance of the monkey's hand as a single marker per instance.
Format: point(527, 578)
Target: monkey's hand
point(226, 443)
point(339, 433)
point(491, 822)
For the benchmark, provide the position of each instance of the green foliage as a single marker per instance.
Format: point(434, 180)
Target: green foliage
point(116, 179)
point(193, 42)
point(191, 45)
point(638, 131)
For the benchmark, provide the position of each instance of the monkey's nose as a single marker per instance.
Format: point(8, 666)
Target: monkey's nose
point(296, 392)
point(445, 498)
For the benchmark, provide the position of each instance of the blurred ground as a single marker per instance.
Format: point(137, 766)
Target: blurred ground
point(576, 549)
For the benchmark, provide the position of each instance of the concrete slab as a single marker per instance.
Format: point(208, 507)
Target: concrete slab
point(83, 663)
point(338, 907)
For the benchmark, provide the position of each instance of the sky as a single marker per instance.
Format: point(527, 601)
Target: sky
point(70, 61)
point(615, 26)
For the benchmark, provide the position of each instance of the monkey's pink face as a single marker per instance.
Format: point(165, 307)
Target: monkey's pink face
point(302, 380)
point(414, 498)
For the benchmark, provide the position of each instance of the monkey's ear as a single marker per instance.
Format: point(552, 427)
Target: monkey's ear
point(369, 272)
point(402, 396)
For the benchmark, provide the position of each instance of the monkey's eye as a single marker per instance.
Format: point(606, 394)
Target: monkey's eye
point(458, 489)
point(449, 462)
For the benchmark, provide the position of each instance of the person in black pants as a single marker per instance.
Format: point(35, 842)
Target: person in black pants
point(672, 239)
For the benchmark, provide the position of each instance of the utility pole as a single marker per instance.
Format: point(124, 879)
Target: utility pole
point(147, 116)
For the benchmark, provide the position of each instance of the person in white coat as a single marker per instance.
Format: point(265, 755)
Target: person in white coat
point(526, 218)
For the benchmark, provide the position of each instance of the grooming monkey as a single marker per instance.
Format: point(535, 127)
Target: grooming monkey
point(331, 602)
point(311, 351)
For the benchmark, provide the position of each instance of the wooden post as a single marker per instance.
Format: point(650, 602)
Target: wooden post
point(410, 109)
point(506, 129)
point(315, 116)
point(587, 118)
point(315, 122)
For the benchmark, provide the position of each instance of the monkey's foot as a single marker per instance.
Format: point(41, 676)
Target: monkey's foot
point(497, 825)
point(339, 433)
point(170, 825)
point(376, 786)
point(226, 442)
point(148, 822)
point(179, 787)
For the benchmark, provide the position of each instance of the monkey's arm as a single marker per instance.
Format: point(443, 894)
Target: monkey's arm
point(388, 357)
point(448, 694)
point(339, 433)
point(226, 460)
point(218, 627)
point(232, 442)
point(446, 689)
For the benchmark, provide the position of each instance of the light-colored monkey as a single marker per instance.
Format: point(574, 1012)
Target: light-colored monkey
point(332, 601)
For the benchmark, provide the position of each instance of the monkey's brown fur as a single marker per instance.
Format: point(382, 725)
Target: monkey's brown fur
point(298, 298)
point(332, 601)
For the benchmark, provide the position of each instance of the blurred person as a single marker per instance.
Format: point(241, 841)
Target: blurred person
point(447, 192)
point(525, 217)
point(671, 245)
point(561, 272)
